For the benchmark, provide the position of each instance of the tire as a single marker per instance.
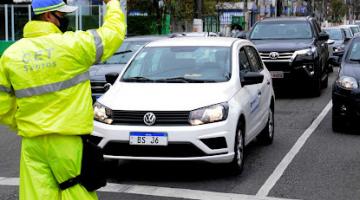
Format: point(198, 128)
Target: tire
point(338, 123)
point(316, 87)
point(325, 83)
point(266, 136)
point(236, 166)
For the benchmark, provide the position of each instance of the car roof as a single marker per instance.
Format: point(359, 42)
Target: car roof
point(146, 38)
point(195, 41)
point(279, 19)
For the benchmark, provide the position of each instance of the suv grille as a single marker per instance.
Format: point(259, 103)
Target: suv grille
point(276, 56)
point(97, 87)
point(162, 117)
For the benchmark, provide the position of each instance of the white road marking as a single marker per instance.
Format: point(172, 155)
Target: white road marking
point(280, 169)
point(161, 191)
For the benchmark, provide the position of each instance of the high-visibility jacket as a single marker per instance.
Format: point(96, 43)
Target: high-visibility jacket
point(44, 79)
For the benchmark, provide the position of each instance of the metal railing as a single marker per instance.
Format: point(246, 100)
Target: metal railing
point(14, 17)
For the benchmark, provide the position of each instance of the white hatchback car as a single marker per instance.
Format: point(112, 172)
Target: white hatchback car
point(188, 99)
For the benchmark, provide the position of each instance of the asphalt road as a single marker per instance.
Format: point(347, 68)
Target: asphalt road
point(326, 167)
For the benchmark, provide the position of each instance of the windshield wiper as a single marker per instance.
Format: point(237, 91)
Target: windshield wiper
point(123, 52)
point(138, 79)
point(184, 80)
point(355, 59)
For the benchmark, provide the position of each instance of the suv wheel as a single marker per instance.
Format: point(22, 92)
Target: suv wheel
point(316, 87)
point(237, 164)
point(266, 136)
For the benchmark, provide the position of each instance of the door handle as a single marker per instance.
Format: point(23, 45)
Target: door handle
point(268, 82)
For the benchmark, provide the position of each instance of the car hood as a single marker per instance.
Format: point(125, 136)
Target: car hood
point(351, 69)
point(282, 45)
point(166, 96)
point(97, 72)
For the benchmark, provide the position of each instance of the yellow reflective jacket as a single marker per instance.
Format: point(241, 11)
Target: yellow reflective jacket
point(44, 79)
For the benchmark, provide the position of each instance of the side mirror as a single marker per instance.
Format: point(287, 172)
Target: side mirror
point(347, 38)
point(323, 36)
point(242, 35)
point(251, 78)
point(330, 42)
point(111, 77)
point(339, 54)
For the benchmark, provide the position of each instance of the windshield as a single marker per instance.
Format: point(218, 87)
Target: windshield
point(354, 29)
point(335, 34)
point(354, 51)
point(126, 51)
point(180, 64)
point(281, 30)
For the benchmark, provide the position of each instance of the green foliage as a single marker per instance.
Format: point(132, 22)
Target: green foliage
point(141, 25)
point(338, 11)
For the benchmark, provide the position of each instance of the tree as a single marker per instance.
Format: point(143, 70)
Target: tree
point(338, 11)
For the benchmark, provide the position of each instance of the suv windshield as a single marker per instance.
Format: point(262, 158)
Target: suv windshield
point(180, 65)
point(335, 34)
point(282, 30)
point(126, 51)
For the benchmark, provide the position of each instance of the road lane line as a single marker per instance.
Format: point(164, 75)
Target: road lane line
point(161, 191)
point(285, 162)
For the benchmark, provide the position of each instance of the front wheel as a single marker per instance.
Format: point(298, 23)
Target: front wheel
point(237, 164)
point(266, 136)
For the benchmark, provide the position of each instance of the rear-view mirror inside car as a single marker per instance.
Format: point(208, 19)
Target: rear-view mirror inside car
point(251, 78)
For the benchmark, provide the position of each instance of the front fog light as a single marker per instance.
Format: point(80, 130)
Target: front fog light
point(209, 114)
point(347, 83)
point(102, 113)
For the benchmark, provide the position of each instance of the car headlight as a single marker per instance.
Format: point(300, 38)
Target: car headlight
point(102, 113)
point(339, 48)
point(306, 52)
point(347, 83)
point(214, 113)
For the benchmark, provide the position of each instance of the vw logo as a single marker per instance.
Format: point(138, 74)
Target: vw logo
point(149, 118)
point(274, 55)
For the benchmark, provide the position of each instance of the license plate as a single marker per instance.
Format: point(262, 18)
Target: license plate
point(277, 74)
point(148, 138)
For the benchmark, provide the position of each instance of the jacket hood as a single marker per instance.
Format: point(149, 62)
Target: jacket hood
point(282, 45)
point(39, 28)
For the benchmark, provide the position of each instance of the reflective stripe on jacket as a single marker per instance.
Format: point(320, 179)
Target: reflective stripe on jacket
point(44, 80)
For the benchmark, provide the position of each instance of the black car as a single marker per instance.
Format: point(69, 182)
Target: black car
point(294, 50)
point(341, 40)
point(346, 91)
point(117, 62)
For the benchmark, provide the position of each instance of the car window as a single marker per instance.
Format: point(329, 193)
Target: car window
point(189, 62)
point(254, 58)
point(335, 34)
point(126, 51)
point(244, 62)
point(354, 51)
point(282, 30)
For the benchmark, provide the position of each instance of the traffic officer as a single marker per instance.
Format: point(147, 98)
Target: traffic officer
point(45, 95)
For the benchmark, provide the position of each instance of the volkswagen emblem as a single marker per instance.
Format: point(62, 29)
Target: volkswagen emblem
point(149, 118)
point(274, 55)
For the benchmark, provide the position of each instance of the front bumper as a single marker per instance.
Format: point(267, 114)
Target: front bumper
point(210, 142)
point(346, 103)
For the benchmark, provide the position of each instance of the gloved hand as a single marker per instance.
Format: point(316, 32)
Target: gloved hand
point(106, 1)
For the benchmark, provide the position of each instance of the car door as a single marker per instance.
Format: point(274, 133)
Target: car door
point(251, 98)
point(264, 93)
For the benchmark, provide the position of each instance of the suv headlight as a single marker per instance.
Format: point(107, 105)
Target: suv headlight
point(102, 113)
point(339, 48)
point(306, 52)
point(347, 83)
point(214, 113)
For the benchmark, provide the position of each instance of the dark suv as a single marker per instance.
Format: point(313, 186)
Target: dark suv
point(293, 49)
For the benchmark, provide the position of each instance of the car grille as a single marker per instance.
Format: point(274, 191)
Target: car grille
point(282, 56)
point(97, 87)
point(162, 117)
point(172, 150)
